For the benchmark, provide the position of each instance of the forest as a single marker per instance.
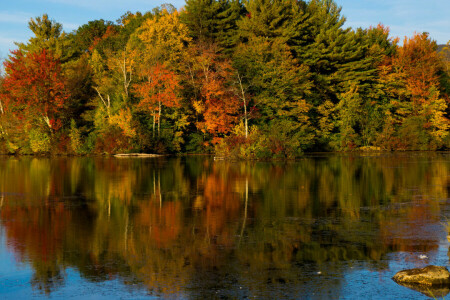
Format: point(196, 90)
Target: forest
point(251, 79)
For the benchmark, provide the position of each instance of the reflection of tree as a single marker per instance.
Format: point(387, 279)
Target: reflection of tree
point(36, 234)
point(194, 226)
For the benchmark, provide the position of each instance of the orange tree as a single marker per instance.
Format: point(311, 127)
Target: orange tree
point(35, 87)
point(160, 89)
point(214, 101)
point(411, 80)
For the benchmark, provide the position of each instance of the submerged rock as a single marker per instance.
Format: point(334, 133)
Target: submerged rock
point(428, 276)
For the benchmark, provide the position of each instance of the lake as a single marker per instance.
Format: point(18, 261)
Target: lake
point(322, 227)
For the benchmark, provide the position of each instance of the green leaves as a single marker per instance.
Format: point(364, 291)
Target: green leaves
point(214, 21)
point(289, 69)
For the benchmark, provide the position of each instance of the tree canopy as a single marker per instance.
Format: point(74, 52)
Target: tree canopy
point(246, 78)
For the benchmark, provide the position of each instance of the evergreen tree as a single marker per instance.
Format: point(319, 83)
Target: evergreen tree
point(280, 86)
point(48, 34)
point(226, 35)
point(273, 19)
point(200, 16)
point(213, 21)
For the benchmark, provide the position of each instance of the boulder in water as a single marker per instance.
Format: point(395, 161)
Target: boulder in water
point(430, 275)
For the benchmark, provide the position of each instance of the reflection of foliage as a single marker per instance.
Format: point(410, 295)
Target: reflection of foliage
point(47, 277)
point(170, 224)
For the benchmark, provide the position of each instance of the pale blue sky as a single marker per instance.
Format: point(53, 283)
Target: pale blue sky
point(402, 16)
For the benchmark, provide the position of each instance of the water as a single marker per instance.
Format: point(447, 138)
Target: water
point(323, 227)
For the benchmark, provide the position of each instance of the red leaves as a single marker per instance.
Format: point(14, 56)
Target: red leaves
point(34, 85)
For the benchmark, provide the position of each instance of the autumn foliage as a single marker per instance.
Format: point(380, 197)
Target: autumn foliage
point(35, 86)
point(252, 79)
point(158, 90)
point(213, 98)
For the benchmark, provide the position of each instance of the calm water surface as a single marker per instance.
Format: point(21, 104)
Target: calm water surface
point(332, 226)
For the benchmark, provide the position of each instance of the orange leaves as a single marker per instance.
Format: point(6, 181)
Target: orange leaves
point(216, 102)
point(411, 81)
point(160, 88)
point(419, 61)
point(413, 71)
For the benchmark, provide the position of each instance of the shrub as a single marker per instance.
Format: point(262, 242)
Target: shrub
point(40, 141)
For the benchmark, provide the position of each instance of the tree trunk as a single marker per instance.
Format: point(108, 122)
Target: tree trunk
point(106, 103)
point(159, 119)
point(2, 130)
point(245, 104)
point(154, 121)
point(126, 78)
point(47, 121)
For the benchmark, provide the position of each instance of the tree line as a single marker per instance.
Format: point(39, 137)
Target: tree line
point(250, 79)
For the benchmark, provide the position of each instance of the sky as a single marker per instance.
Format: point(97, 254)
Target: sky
point(404, 17)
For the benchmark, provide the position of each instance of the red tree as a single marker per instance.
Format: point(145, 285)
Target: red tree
point(159, 90)
point(35, 87)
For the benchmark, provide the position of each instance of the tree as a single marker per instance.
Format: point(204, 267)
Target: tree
point(103, 81)
point(79, 81)
point(227, 35)
point(122, 62)
point(48, 35)
point(200, 16)
point(280, 87)
point(164, 38)
point(271, 19)
point(35, 86)
point(242, 94)
point(160, 89)
point(361, 103)
point(88, 35)
point(420, 63)
point(411, 76)
point(213, 21)
point(2, 111)
point(214, 101)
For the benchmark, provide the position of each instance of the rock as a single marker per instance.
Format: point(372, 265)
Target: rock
point(430, 275)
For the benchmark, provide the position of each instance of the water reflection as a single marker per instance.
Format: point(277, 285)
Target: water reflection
point(192, 227)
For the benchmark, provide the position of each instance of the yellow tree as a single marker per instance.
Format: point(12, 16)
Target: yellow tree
point(122, 62)
point(161, 43)
point(164, 38)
